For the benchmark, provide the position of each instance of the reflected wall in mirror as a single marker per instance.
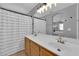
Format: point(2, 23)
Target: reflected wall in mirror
point(61, 26)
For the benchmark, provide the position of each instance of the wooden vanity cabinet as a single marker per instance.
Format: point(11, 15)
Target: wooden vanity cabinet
point(33, 49)
point(27, 46)
point(45, 52)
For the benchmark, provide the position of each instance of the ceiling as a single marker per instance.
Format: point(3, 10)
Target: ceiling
point(19, 7)
point(31, 8)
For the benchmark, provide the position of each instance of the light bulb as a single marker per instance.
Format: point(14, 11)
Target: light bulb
point(39, 11)
point(42, 9)
point(49, 5)
point(55, 4)
point(45, 8)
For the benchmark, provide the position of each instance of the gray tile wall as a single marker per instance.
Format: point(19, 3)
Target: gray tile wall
point(13, 28)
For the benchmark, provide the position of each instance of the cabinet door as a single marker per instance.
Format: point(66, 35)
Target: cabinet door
point(44, 52)
point(27, 46)
point(34, 49)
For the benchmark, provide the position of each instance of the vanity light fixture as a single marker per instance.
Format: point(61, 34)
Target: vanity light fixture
point(45, 7)
point(55, 4)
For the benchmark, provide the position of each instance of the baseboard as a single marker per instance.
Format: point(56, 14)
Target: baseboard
point(17, 52)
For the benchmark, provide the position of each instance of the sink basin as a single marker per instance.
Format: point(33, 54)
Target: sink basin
point(67, 48)
point(57, 46)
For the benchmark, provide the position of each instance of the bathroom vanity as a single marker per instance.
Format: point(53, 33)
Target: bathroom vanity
point(34, 49)
point(47, 45)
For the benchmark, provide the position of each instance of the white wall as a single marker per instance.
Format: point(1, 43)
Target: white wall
point(13, 28)
point(78, 21)
point(71, 23)
point(39, 26)
point(49, 25)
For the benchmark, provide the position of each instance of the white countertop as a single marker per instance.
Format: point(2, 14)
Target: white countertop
point(70, 48)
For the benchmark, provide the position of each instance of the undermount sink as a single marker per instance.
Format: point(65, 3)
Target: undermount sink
point(67, 46)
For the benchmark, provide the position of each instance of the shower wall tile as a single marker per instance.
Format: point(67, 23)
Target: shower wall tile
point(13, 28)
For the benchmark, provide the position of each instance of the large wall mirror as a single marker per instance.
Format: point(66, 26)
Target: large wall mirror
point(66, 24)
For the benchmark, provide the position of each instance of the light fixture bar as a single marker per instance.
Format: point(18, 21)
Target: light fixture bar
point(44, 7)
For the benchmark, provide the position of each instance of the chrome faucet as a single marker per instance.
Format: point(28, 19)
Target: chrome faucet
point(60, 39)
point(35, 34)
